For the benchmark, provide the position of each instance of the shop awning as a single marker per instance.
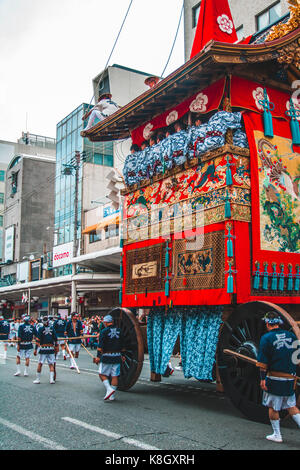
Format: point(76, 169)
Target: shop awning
point(104, 223)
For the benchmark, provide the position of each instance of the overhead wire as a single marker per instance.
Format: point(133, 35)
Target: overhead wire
point(174, 42)
point(112, 50)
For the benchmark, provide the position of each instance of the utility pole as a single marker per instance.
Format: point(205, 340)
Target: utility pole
point(68, 170)
point(75, 241)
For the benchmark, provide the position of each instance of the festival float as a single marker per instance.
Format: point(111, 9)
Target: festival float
point(211, 212)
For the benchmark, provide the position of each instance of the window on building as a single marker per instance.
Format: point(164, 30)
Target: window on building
point(1, 198)
point(95, 237)
point(1, 220)
point(2, 175)
point(240, 32)
point(111, 231)
point(195, 14)
point(269, 16)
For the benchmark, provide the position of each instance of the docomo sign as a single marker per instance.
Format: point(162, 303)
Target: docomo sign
point(62, 254)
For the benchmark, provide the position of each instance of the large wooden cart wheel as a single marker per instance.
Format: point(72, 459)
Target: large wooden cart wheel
point(241, 333)
point(134, 354)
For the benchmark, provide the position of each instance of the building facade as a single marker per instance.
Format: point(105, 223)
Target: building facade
point(249, 17)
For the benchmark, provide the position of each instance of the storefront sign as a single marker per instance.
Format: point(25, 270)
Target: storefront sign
point(62, 254)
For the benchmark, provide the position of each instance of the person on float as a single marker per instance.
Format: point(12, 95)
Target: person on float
point(104, 108)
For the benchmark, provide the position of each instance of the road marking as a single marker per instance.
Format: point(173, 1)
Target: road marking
point(35, 437)
point(113, 435)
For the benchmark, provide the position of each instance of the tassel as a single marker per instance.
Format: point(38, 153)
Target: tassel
point(295, 131)
point(290, 278)
point(229, 241)
point(281, 278)
point(121, 242)
point(167, 285)
point(167, 259)
point(146, 292)
point(120, 295)
point(294, 114)
point(297, 280)
point(267, 116)
point(230, 278)
point(121, 268)
point(266, 277)
point(227, 206)
point(229, 181)
point(274, 278)
point(230, 284)
point(268, 124)
point(256, 276)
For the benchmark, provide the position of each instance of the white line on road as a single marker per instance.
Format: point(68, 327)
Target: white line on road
point(35, 437)
point(113, 435)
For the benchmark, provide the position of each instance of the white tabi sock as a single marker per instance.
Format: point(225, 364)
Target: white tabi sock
point(296, 418)
point(114, 395)
point(51, 377)
point(26, 370)
point(18, 369)
point(106, 384)
point(38, 375)
point(276, 427)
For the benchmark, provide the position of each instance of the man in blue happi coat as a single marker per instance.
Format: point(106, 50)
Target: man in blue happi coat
point(74, 329)
point(46, 341)
point(109, 356)
point(277, 362)
point(59, 326)
point(25, 335)
point(4, 333)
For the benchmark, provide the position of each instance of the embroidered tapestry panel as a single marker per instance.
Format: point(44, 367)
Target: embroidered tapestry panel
point(201, 268)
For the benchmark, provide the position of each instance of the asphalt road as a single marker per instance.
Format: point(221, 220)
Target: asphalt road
point(176, 414)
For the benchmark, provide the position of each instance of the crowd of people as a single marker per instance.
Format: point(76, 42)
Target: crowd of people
point(179, 143)
point(49, 336)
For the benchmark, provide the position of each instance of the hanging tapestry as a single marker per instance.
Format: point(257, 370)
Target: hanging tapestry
point(145, 269)
point(202, 268)
point(198, 329)
point(162, 333)
point(248, 95)
point(204, 102)
point(198, 341)
point(275, 178)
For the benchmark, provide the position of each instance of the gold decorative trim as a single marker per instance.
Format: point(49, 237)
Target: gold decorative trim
point(280, 30)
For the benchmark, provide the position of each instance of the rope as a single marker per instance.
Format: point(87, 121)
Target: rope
point(111, 53)
point(182, 9)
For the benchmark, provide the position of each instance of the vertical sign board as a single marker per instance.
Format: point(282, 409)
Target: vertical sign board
point(9, 244)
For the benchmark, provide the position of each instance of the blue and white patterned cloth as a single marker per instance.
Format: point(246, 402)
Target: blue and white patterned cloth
point(195, 141)
point(240, 139)
point(198, 329)
point(178, 141)
point(175, 149)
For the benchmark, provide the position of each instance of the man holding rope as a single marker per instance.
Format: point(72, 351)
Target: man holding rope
point(4, 333)
point(74, 329)
point(276, 367)
point(25, 335)
point(46, 341)
point(59, 326)
point(109, 356)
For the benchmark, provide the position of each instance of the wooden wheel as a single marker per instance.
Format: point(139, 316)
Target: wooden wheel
point(134, 354)
point(242, 333)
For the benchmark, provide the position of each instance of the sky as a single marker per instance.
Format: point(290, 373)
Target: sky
point(50, 50)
